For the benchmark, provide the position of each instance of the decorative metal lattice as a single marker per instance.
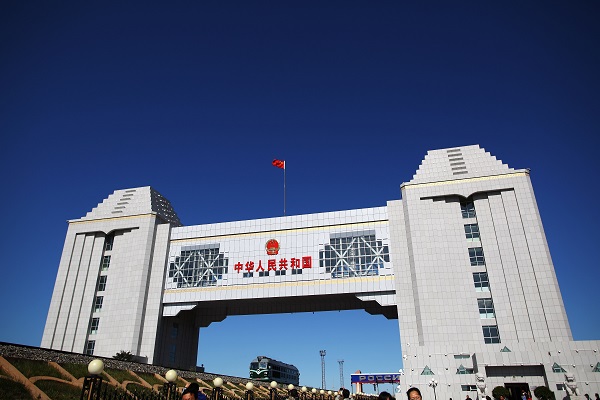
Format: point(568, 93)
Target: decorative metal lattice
point(354, 256)
point(198, 267)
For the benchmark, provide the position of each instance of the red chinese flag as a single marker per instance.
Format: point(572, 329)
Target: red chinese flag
point(278, 163)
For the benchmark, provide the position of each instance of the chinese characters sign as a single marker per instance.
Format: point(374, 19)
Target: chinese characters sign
point(273, 264)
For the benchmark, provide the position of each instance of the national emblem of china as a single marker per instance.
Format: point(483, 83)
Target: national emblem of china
point(272, 247)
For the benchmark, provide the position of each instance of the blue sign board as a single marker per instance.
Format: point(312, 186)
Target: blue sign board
point(375, 378)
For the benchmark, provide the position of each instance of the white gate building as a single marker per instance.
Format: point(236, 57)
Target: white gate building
point(461, 260)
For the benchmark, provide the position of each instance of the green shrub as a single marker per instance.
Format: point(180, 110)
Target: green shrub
point(58, 390)
point(139, 390)
point(120, 375)
point(543, 393)
point(123, 356)
point(150, 378)
point(31, 368)
point(500, 391)
point(11, 390)
point(77, 370)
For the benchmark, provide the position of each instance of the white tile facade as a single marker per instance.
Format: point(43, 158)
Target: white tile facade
point(166, 281)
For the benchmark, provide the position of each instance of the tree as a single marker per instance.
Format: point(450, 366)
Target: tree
point(500, 391)
point(543, 393)
point(123, 356)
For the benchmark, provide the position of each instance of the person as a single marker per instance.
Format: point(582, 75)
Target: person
point(587, 397)
point(467, 398)
point(523, 395)
point(385, 396)
point(413, 394)
point(293, 394)
point(597, 396)
point(190, 392)
point(345, 393)
point(338, 395)
point(201, 395)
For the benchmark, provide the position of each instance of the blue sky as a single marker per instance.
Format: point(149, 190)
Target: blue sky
point(196, 99)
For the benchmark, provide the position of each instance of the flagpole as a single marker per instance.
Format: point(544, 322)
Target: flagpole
point(281, 164)
point(284, 189)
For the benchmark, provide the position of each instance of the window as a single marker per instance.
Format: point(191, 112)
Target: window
point(597, 367)
point(459, 356)
point(172, 352)
point(296, 271)
point(98, 303)
point(198, 266)
point(486, 308)
point(464, 371)
point(476, 256)
point(467, 208)
point(491, 334)
point(482, 284)
point(108, 243)
point(353, 254)
point(94, 326)
point(472, 231)
point(105, 262)
point(468, 388)
point(263, 273)
point(102, 283)
point(427, 371)
point(280, 272)
point(89, 347)
point(248, 274)
point(557, 368)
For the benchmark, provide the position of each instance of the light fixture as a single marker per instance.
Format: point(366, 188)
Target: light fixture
point(249, 385)
point(290, 386)
point(273, 384)
point(218, 382)
point(171, 375)
point(304, 389)
point(313, 390)
point(95, 367)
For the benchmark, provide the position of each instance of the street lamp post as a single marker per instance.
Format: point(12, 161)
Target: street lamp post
point(217, 393)
point(249, 392)
point(314, 393)
point(273, 391)
point(169, 388)
point(93, 382)
point(433, 383)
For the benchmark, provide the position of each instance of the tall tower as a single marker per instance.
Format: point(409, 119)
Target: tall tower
point(110, 278)
point(322, 353)
point(341, 362)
